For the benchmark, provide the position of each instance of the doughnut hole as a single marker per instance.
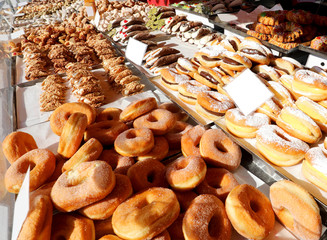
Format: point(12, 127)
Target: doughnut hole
point(131, 135)
point(220, 147)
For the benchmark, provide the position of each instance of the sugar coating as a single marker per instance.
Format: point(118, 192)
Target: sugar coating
point(280, 88)
point(187, 63)
point(230, 54)
point(253, 120)
point(195, 87)
point(179, 78)
point(219, 102)
point(318, 159)
point(311, 77)
point(293, 61)
point(299, 114)
point(317, 107)
point(213, 51)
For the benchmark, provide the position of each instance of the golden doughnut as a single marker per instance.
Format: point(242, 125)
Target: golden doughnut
point(103, 227)
point(138, 108)
point(179, 114)
point(109, 114)
point(174, 136)
point(158, 152)
point(185, 199)
point(190, 141)
point(110, 237)
point(120, 164)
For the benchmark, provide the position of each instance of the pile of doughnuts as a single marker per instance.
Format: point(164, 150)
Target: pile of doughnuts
point(287, 29)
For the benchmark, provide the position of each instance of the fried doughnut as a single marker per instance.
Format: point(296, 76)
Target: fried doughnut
point(279, 147)
point(120, 164)
point(72, 226)
point(87, 183)
point(110, 237)
point(159, 121)
point(60, 161)
point(310, 84)
point(146, 174)
point(16, 144)
point(296, 209)
point(105, 132)
point(72, 134)
point(208, 76)
point(37, 224)
point(170, 78)
point(190, 141)
point(250, 212)
point(235, 61)
point(218, 182)
point(299, 125)
point(138, 108)
point(103, 227)
point(244, 126)
point(104, 208)
point(109, 114)
point(90, 151)
point(158, 152)
point(60, 116)
point(186, 173)
point(282, 96)
point(185, 199)
point(174, 136)
point(270, 108)
point(179, 114)
point(188, 91)
point(206, 219)
point(219, 150)
point(314, 167)
point(146, 214)
point(134, 142)
point(176, 228)
point(42, 164)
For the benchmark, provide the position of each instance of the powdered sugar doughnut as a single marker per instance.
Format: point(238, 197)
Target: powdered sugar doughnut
point(191, 139)
point(188, 91)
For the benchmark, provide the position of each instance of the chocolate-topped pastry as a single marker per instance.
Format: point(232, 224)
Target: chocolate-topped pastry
point(131, 21)
point(143, 36)
point(172, 21)
point(165, 60)
point(208, 77)
point(231, 43)
point(254, 51)
point(171, 78)
point(163, 9)
point(132, 28)
point(166, 15)
point(185, 66)
point(159, 52)
point(201, 32)
point(188, 25)
point(235, 61)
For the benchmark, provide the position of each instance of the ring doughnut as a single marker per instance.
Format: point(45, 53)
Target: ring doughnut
point(120, 164)
point(146, 214)
point(179, 114)
point(62, 113)
point(279, 147)
point(103, 227)
point(174, 136)
point(91, 150)
point(134, 142)
point(185, 199)
point(109, 114)
point(176, 228)
point(190, 141)
point(244, 126)
point(186, 173)
point(42, 165)
point(146, 174)
point(270, 108)
point(159, 121)
point(291, 203)
point(188, 91)
point(72, 134)
point(110, 237)
point(72, 226)
point(104, 208)
point(89, 182)
point(16, 144)
point(250, 212)
point(206, 218)
point(158, 152)
point(106, 131)
point(37, 224)
point(218, 182)
point(138, 108)
point(219, 150)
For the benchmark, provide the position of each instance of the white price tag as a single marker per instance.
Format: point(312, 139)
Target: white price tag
point(248, 92)
point(135, 50)
point(22, 206)
point(89, 11)
point(14, 3)
point(97, 19)
point(17, 34)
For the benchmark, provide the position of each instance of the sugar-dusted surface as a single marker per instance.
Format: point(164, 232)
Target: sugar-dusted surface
point(254, 120)
point(311, 78)
point(299, 114)
point(318, 159)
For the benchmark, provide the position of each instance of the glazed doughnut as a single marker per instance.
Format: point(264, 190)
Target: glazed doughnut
point(110, 237)
point(134, 142)
point(146, 214)
point(72, 226)
point(218, 182)
point(16, 144)
point(109, 114)
point(104, 208)
point(90, 151)
point(208, 76)
point(176, 228)
point(250, 212)
point(186, 173)
point(319, 43)
point(103, 227)
point(254, 51)
point(120, 164)
point(310, 84)
point(212, 104)
point(62, 113)
point(314, 167)
point(235, 61)
point(219, 150)
point(158, 152)
point(146, 174)
point(296, 209)
point(282, 96)
point(271, 18)
point(188, 91)
point(244, 126)
point(270, 108)
point(185, 199)
point(279, 147)
point(105, 132)
point(37, 224)
point(174, 136)
point(299, 125)
point(138, 108)
point(206, 218)
point(42, 163)
point(170, 78)
point(159, 121)
point(190, 141)
point(72, 134)
point(89, 182)
point(179, 114)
